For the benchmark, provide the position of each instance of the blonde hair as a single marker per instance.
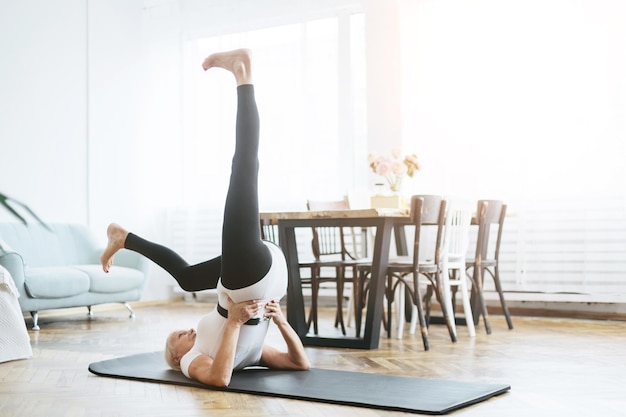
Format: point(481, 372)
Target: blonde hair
point(170, 353)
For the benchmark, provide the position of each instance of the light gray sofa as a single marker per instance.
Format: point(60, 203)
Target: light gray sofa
point(60, 267)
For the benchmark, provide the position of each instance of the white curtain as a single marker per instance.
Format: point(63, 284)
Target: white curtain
point(525, 101)
point(296, 75)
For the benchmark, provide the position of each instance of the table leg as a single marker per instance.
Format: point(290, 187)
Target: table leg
point(377, 284)
point(295, 301)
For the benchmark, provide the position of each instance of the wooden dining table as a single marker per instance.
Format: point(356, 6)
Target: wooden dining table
point(382, 222)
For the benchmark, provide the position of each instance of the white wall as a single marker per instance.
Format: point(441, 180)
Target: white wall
point(43, 106)
point(89, 106)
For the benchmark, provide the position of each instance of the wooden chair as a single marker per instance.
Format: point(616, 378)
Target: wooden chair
point(330, 252)
point(490, 214)
point(453, 263)
point(427, 211)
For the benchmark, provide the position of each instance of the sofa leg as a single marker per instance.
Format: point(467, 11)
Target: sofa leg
point(35, 316)
point(89, 313)
point(129, 308)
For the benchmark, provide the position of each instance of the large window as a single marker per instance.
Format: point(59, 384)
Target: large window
point(524, 101)
point(310, 85)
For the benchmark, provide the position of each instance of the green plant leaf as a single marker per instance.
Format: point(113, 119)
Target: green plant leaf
point(7, 201)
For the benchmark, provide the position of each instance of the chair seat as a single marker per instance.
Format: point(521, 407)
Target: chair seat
point(489, 263)
point(321, 264)
point(402, 263)
point(405, 264)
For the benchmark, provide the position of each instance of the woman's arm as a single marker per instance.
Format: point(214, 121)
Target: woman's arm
point(295, 358)
point(218, 371)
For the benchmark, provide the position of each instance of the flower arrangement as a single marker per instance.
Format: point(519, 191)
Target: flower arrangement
point(394, 167)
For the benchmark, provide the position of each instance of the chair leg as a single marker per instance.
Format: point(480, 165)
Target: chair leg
point(477, 287)
point(505, 309)
point(361, 300)
point(467, 308)
point(358, 302)
point(445, 301)
point(420, 315)
point(339, 311)
point(400, 311)
point(445, 307)
point(390, 295)
point(413, 320)
point(453, 290)
point(314, 292)
point(426, 299)
point(350, 311)
point(351, 301)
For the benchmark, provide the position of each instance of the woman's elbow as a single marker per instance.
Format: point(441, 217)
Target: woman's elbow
point(223, 383)
point(303, 365)
point(217, 381)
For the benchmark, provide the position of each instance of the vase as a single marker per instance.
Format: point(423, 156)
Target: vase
point(398, 194)
point(389, 198)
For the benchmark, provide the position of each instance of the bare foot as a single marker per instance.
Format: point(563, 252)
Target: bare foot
point(236, 61)
point(116, 235)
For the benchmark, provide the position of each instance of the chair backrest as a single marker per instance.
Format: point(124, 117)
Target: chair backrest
point(328, 241)
point(427, 210)
point(456, 232)
point(489, 214)
point(431, 209)
point(269, 231)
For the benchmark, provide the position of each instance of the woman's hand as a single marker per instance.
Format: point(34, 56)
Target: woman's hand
point(295, 358)
point(239, 313)
point(274, 311)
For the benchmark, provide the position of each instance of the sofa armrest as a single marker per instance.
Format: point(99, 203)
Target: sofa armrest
point(14, 263)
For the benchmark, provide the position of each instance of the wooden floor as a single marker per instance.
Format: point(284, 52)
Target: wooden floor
point(556, 367)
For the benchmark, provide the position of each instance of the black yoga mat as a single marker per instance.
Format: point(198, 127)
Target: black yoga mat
point(397, 393)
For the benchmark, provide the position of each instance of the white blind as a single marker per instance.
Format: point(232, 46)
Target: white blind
point(566, 247)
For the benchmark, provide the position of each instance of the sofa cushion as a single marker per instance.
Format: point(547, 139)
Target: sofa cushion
point(55, 282)
point(119, 278)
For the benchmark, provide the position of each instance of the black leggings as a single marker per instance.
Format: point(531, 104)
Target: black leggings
point(245, 258)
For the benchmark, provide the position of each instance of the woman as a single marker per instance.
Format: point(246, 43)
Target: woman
point(250, 276)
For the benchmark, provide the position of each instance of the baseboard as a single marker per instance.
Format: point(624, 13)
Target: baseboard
point(517, 307)
point(565, 307)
